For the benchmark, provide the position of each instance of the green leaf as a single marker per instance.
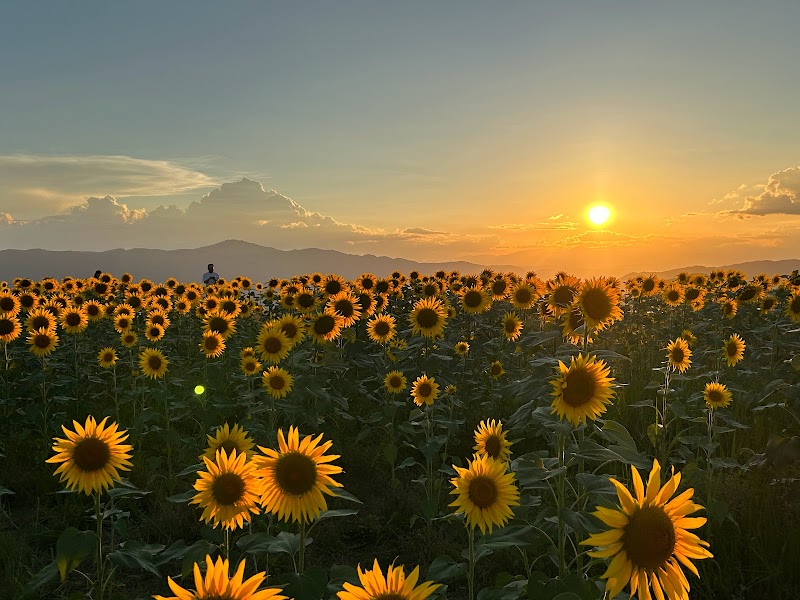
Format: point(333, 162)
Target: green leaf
point(308, 585)
point(444, 568)
point(616, 433)
point(137, 555)
point(344, 494)
point(182, 498)
point(196, 553)
point(4, 491)
point(45, 575)
point(72, 547)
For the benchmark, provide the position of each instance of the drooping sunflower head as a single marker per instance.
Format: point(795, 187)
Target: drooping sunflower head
point(490, 440)
point(729, 308)
point(512, 326)
point(425, 390)
point(153, 363)
point(107, 357)
point(228, 490)
point(599, 303)
point(229, 439)
point(733, 350)
point(716, 395)
point(277, 381)
point(584, 389)
point(382, 328)
point(428, 318)
point(768, 302)
point(395, 586)
point(212, 344)
point(688, 336)
point(648, 538)
point(91, 456)
point(793, 307)
point(395, 382)
point(296, 476)
point(485, 493)
point(678, 355)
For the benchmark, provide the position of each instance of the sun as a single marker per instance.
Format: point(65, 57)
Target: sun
point(599, 214)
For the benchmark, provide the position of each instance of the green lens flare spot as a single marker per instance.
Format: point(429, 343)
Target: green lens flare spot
point(199, 389)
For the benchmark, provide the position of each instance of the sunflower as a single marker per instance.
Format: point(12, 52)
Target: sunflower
point(212, 344)
point(425, 390)
point(153, 363)
point(42, 341)
point(461, 348)
point(94, 310)
point(229, 439)
point(490, 440)
point(395, 382)
point(428, 317)
point(107, 357)
point(394, 586)
point(499, 288)
point(10, 328)
point(581, 390)
point(750, 294)
point(599, 303)
point(154, 332)
point(324, 327)
point(485, 493)
point(729, 308)
point(219, 321)
point(679, 355)
point(158, 317)
point(382, 329)
point(366, 282)
point(305, 301)
point(228, 490)
point(219, 585)
point(74, 320)
point(125, 309)
point(512, 326)
point(475, 300)
point(292, 327)
point(496, 370)
point(91, 456)
point(562, 293)
point(273, 344)
point(123, 323)
point(648, 539)
point(277, 382)
point(129, 339)
point(296, 476)
point(733, 350)
point(9, 304)
point(250, 365)
point(793, 307)
point(650, 285)
point(333, 284)
point(769, 302)
point(688, 336)
point(716, 395)
point(672, 295)
point(523, 296)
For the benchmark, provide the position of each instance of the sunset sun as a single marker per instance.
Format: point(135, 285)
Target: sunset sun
point(599, 214)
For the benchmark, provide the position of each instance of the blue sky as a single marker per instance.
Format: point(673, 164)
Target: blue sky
point(444, 115)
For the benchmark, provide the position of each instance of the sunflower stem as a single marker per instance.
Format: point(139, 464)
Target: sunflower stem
point(471, 576)
point(562, 565)
point(98, 584)
point(227, 544)
point(302, 552)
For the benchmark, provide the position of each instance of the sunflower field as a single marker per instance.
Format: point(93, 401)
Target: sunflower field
point(486, 436)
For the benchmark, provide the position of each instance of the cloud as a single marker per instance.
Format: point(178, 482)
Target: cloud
point(422, 231)
point(556, 224)
point(32, 186)
point(778, 196)
point(600, 239)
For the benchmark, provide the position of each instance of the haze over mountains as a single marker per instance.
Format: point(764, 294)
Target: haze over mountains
point(235, 257)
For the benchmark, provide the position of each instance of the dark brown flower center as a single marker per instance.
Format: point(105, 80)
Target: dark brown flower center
point(395, 381)
point(277, 382)
point(649, 285)
point(289, 330)
point(228, 489)
point(42, 341)
point(482, 491)
point(305, 300)
point(73, 319)
point(578, 387)
point(427, 318)
point(649, 538)
point(424, 390)
point(324, 325)
point(212, 343)
point(333, 287)
point(677, 355)
point(91, 454)
point(523, 296)
point(473, 299)
point(597, 305)
point(6, 326)
point(7, 303)
point(218, 324)
point(154, 362)
point(295, 473)
point(272, 345)
point(382, 328)
point(344, 307)
point(493, 446)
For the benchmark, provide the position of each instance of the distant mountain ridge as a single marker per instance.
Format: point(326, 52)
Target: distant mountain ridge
point(231, 258)
point(750, 269)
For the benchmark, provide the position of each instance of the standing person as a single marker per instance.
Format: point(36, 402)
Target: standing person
point(211, 277)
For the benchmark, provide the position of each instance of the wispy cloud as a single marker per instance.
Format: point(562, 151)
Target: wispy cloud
point(778, 196)
point(33, 185)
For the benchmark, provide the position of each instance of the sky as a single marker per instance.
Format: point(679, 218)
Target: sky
point(432, 131)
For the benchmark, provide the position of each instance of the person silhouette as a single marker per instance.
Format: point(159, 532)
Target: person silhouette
point(210, 277)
